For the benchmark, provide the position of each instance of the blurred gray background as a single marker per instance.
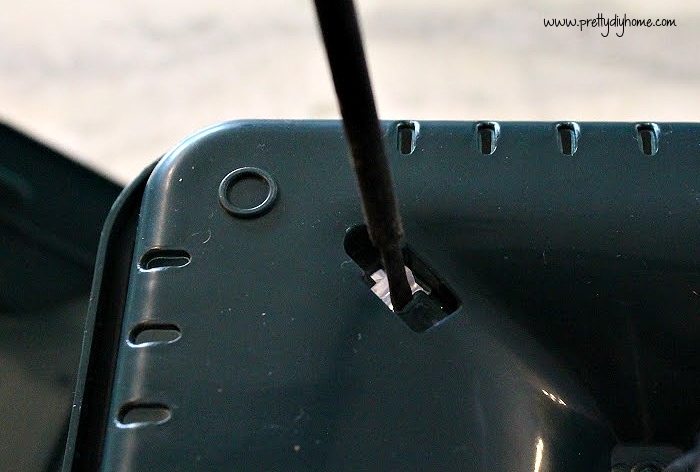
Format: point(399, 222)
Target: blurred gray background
point(116, 84)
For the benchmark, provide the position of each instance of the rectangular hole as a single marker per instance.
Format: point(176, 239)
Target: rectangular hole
point(407, 135)
point(427, 278)
point(487, 137)
point(648, 138)
point(433, 300)
point(381, 286)
point(567, 136)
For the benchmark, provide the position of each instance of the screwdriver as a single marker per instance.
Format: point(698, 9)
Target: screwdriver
point(343, 43)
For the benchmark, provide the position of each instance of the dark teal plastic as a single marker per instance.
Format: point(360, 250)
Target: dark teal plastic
point(572, 259)
point(51, 214)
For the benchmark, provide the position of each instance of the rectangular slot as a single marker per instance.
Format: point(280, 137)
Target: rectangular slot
point(648, 138)
point(432, 300)
point(407, 135)
point(567, 136)
point(487, 137)
point(381, 286)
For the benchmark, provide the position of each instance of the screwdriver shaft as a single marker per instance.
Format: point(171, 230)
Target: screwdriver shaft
point(343, 42)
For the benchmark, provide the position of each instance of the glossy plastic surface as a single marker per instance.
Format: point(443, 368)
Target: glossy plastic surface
point(577, 281)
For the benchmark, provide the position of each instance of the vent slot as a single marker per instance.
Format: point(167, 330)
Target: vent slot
point(156, 259)
point(648, 138)
point(567, 137)
point(149, 334)
point(407, 133)
point(139, 415)
point(487, 134)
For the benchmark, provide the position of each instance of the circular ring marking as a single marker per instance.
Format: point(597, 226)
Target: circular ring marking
point(230, 180)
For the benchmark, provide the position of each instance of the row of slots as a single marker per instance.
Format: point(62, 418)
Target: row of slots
point(568, 133)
